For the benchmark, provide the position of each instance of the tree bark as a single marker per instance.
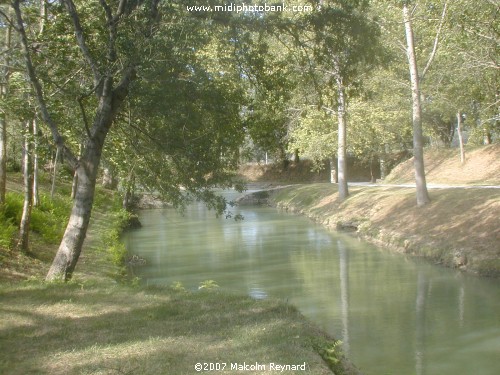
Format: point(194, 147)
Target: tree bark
point(383, 161)
point(108, 178)
point(460, 137)
point(71, 245)
point(342, 140)
point(36, 195)
point(24, 227)
point(54, 175)
point(333, 171)
point(3, 157)
point(129, 191)
point(418, 143)
point(3, 116)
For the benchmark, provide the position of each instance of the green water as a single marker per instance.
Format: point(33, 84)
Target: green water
point(394, 315)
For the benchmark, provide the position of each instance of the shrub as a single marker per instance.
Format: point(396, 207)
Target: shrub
point(7, 229)
point(50, 218)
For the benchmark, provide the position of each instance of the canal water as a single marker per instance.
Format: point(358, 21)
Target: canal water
point(394, 315)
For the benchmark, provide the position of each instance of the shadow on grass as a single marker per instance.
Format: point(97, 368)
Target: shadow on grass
point(69, 330)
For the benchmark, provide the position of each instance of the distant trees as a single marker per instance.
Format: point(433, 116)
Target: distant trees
point(457, 70)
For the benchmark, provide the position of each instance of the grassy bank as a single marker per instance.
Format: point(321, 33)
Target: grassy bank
point(90, 327)
point(100, 324)
point(460, 228)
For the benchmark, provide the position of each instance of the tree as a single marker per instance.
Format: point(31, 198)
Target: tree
point(184, 115)
point(4, 82)
point(418, 143)
point(24, 227)
point(340, 42)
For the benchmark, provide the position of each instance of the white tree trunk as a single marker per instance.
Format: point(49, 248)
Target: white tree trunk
point(460, 137)
point(3, 157)
point(54, 174)
point(342, 140)
point(36, 195)
point(4, 81)
point(24, 227)
point(418, 144)
point(333, 171)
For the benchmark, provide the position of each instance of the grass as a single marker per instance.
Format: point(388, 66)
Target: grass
point(102, 323)
point(90, 328)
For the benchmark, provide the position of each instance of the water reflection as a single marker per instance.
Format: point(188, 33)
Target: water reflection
point(344, 293)
point(394, 315)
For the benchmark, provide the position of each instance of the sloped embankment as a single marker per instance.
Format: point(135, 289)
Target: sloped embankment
point(443, 166)
point(459, 229)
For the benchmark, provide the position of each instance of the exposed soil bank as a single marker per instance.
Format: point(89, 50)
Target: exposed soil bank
point(459, 229)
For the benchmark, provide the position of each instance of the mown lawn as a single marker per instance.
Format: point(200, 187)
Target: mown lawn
point(92, 328)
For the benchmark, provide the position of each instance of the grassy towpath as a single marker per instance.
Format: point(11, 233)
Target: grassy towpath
point(97, 325)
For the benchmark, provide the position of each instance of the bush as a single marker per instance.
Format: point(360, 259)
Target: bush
point(111, 240)
point(7, 229)
point(50, 218)
point(13, 208)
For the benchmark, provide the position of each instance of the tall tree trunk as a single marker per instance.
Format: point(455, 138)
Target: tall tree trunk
point(36, 195)
point(3, 157)
point(108, 177)
point(72, 242)
point(4, 81)
point(373, 176)
point(129, 191)
point(460, 137)
point(418, 143)
point(383, 161)
point(24, 228)
point(342, 140)
point(67, 255)
point(43, 15)
point(333, 171)
point(71, 245)
point(54, 174)
point(74, 185)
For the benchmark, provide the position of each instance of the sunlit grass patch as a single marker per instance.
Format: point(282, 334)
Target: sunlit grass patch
point(96, 329)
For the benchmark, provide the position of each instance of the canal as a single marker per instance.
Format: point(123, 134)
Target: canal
point(394, 315)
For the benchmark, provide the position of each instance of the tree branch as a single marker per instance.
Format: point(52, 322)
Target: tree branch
point(80, 38)
point(58, 139)
point(436, 42)
point(7, 18)
point(84, 116)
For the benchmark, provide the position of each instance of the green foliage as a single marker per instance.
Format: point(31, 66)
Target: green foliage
point(177, 286)
point(331, 352)
point(13, 207)
point(7, 229)
point(208, 285)
point(50, 218)
point(115, 248)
